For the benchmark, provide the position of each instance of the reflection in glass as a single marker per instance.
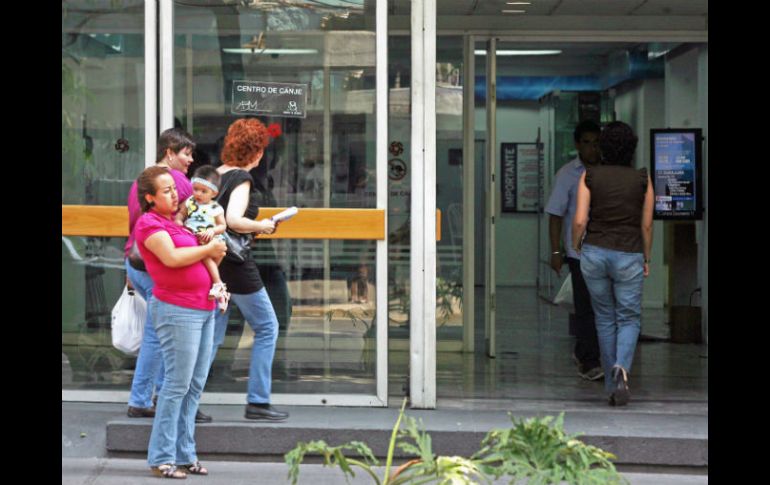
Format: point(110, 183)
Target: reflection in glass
point(102, 153)
point(102, 102)
point(326, 341)
point(322, 291)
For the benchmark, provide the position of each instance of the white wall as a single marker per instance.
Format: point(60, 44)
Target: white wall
point(702, 232)
point(516, 234)
point(682, 111)
point(640, 104)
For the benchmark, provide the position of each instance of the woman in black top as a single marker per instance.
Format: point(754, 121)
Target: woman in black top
point(244, 146)
point(615, 253)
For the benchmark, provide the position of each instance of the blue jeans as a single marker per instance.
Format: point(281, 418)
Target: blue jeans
point(258, 312)
point(614, 279)
point(185, 337)
point(149, 365)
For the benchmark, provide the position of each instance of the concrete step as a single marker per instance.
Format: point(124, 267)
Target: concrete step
point(637, 437)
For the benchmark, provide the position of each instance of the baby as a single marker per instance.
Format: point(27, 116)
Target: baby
point(206, 219)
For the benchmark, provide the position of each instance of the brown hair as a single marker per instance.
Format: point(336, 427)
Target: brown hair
point(245, 138)
point(145, 184)
point(176, 139)
point(618, 144)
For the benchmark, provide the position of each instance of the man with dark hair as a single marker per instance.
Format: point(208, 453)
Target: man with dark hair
point(561, 208)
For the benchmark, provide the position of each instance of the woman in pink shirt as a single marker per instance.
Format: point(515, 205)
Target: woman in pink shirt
point(183, 318)
point(175, 149)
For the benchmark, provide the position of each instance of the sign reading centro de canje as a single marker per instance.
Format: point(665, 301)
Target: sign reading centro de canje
point(269, 99)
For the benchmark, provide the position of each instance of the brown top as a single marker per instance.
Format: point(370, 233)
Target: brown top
point(617, 200)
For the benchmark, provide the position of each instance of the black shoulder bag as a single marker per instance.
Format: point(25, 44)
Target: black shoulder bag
point(238, 245)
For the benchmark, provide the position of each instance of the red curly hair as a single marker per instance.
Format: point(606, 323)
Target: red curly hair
point(245, 138)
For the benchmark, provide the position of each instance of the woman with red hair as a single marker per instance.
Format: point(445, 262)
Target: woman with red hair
point(243, 149)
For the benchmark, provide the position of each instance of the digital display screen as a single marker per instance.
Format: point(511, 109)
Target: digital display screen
point(676, 173)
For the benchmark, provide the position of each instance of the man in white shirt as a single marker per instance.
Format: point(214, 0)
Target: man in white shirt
point(561, 208)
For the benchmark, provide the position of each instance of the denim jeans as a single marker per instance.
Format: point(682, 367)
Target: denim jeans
point(614, 279)
point(149, 365)
point(258, 312)
point(185, 336)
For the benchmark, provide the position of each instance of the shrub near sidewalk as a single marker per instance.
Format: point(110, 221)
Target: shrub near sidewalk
point(544, 454)
point(531, 449)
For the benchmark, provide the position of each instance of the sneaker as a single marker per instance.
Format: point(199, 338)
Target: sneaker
point(592, 374)
point(621, 395)
point(264, 411)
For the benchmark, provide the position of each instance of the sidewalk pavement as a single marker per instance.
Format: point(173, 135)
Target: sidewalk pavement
point(121, 471)
point(86, 460)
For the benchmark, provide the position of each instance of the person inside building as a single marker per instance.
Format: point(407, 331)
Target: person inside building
point(175, 148)
point(615, 254)
point(561, 209)
point(183, 317)
point(243, 149)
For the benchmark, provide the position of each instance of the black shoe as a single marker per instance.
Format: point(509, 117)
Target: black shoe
point(621, 395)
point(264, 411)
point(141, 412)
point(592, 374)
point(202, 418)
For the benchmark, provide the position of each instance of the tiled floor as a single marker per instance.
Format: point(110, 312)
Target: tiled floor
point(533, 362)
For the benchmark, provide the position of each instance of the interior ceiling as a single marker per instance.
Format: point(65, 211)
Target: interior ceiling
point(563, 7)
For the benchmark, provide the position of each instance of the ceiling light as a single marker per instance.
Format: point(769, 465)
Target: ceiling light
point(483, 52)
point(514, 11)
point(271, 51)
point(518, 3)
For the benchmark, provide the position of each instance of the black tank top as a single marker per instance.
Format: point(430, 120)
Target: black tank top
point(617, 200)
point(240, 278)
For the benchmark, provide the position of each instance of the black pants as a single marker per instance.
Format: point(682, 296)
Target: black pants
point(587, 345)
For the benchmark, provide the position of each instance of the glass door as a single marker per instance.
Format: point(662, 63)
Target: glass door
point(325, 291)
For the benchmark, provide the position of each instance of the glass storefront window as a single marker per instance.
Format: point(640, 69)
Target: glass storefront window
point(323, 291)
point(102, 152)
point(449, 188)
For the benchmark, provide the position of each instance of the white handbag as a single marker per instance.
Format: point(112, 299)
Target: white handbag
point(564, 298)
point(128, 317)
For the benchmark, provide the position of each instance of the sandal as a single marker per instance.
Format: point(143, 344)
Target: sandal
point(216, 289)
point(220, 293)
point(196, 469)
point(222, 300)
point(167, 471)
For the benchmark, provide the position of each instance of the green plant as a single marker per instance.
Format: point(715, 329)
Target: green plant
point(426, 468)
point(532, 449)
point(545, 454)
point(448, 291)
